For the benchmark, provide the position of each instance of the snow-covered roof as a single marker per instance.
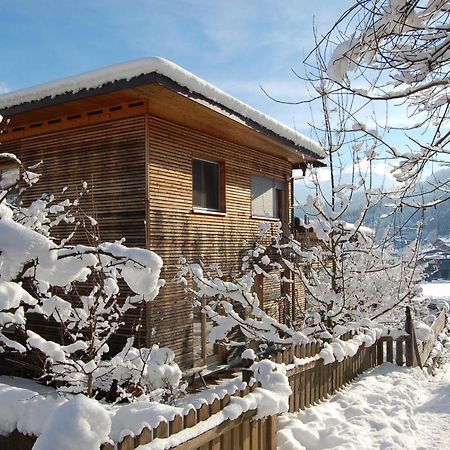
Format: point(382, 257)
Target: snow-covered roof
point(130, 70)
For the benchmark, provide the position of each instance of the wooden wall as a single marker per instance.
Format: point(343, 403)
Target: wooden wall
point(174, 230)
point(111, 158)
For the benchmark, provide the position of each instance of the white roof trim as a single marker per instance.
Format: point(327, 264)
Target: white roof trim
point(129, 70)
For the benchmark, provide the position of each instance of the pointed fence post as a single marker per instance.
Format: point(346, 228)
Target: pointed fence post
point(412, 350)
point(247, 374)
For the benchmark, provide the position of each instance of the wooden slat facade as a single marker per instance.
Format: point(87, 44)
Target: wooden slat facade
point(137, 160)
point(111, 159)
point(175, 230)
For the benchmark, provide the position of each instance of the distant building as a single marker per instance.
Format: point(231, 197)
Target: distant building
point(435, 259)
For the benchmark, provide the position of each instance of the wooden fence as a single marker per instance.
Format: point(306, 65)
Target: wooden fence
point(241, 433)
point(424, 348)
point(310, 379)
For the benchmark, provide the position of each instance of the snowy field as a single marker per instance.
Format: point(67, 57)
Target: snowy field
point(436, 290)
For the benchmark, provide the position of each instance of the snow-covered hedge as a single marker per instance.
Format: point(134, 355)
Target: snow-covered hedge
point(85, 290)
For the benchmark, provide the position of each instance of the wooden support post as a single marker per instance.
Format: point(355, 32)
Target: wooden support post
point(389, 349)
point(246, 431)
point(293, 393)
point(413, 358)
point(175, 425)
point(203, 414)
point(254, 436)
point(366, 358)
point(225, 439)
point(312, 385)
point(247, 374)
point(399, 351)
point(307, 374)
point(321, 375)
point(107, 447)
point(409, 352)
point(374, 354)
point(190, 419)
point(145, 437)
point(330, 379)
point(279, 357)
point(126, 444)
point(380, 352)
point(302, 388)
point(297, 392)
point(272, 428)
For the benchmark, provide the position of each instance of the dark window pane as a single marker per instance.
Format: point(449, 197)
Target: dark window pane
point(206, 184)
point(211, 185)
point(197, 177)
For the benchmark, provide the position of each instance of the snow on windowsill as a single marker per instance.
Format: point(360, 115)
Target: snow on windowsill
point(267, 219)
point(210, 212)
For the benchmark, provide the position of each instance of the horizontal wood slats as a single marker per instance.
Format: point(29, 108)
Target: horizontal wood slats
point(118, 159)
point(174, 230)
point(98, 114)
point(110, 157)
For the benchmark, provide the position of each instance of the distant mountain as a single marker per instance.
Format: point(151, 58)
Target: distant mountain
point(404, 222)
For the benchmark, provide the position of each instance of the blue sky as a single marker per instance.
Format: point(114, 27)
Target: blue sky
point(235, 44)
point(238, 45)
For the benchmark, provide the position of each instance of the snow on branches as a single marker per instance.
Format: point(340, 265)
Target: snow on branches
point(234, 304)
point(392, 58)
point(84, 290)
point(348, 278)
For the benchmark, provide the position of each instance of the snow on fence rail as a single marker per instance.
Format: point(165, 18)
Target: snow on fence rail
point(425, 348)
point(209, 428)
point(314, 381)
point(205, 429)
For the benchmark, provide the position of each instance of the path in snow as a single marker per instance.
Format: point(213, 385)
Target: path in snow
point(388, 408)
point(433, 413)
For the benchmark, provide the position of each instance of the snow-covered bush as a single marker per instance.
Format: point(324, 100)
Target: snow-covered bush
point(349, 279)
point(152, 372)
point(273, 396)
point(78, 423)
point(85, 290)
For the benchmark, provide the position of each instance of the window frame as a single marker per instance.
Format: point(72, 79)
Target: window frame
point(278, 201)
point(221, 210)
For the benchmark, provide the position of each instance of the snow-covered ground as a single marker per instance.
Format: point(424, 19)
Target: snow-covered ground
point(436, 289)
point(389, 407)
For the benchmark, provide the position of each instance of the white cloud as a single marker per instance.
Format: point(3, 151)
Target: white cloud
point(3, 88)
point(363, 168)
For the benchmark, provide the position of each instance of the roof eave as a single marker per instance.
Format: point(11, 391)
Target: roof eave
point(167, 82)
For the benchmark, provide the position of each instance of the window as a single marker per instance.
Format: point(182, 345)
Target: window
point(207, 185)
point(267, 198)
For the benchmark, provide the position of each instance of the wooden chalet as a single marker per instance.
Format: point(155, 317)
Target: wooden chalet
point(173, 164)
